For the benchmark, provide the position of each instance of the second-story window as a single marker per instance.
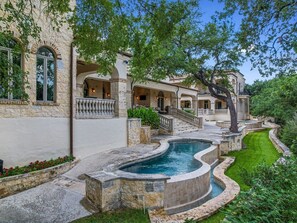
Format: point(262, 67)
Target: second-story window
point(45, 75)
point(11, 74)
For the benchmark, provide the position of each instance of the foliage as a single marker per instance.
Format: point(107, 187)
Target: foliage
point(289, 134)
point(272, 197)
point(267, 33)
point(259, 149)
point(34, 166)
point(275, 98)
point(148, 116)
point(189, 111)
point(123, 216)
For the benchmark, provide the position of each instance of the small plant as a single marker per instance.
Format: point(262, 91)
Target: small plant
point(33, 166)
point(147, 115)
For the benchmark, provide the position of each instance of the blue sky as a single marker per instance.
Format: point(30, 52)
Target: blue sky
point(208, 8)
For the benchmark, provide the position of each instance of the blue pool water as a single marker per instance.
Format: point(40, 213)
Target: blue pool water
point(178, 159)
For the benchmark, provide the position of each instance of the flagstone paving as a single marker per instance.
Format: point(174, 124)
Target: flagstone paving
point(61, 200)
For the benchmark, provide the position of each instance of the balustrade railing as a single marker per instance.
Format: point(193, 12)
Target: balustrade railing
point(187, 117)
point(167, 123)
point(202, 111)
point(221, 111)
point(91, 108)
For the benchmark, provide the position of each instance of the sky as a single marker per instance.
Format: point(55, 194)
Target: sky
point(208, 8)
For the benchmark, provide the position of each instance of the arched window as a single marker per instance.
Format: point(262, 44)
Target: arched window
point(11, 74)
point(45, 75)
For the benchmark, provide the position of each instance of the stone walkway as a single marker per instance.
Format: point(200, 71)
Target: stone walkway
point(61, 200)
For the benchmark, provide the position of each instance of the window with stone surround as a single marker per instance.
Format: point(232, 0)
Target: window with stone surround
point(45, 75)
point(11, 73)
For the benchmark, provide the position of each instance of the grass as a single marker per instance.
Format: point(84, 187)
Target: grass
point(259, 149)
point(120, 216)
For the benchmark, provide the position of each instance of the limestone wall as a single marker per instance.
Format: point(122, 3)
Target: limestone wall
point(60, 43)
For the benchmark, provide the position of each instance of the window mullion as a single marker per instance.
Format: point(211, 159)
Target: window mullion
point(45, 79)
point(10, 70)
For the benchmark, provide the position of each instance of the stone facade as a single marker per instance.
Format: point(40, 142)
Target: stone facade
point(134, 126)
point(61, 46)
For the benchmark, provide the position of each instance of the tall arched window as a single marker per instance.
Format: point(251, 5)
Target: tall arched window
point(11, 74)
point(45, 75)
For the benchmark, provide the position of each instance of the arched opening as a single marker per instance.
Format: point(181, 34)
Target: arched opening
point(45, 75)
point(11, 72)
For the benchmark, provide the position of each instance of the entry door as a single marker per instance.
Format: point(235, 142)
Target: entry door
point(161, 103)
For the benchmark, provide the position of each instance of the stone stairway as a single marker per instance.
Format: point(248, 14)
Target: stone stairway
point(181, 126)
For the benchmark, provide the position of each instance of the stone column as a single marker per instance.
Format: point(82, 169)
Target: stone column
point(118, 88)
point(195, 105)
point(178, 98)
point(212, 105)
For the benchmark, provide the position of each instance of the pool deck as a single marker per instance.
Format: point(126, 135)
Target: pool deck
point(62, 199)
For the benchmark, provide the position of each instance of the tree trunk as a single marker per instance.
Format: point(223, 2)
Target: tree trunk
point(213, 89)
point(233, 115)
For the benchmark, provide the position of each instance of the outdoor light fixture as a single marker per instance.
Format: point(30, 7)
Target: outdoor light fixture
point(108, 94)
point(137, 97)
point(93, 90)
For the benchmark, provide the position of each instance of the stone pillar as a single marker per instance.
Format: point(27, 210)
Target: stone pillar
point(178, 98)
point(118, 88)
point(134, 126)
point(212, 105)
point(195, 105)
point(79, 91)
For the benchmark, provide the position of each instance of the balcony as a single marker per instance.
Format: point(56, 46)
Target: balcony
point(93, 108)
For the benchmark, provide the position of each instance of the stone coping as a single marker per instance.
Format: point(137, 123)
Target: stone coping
point(210, 207)
point(281, 147)
point(113, 171)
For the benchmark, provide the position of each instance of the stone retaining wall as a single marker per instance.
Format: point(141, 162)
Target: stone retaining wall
point(112, 190)
point(210, 207)
point(14, 184)
point(277, 143)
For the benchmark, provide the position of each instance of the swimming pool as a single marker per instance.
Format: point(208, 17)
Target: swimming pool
point(190, 173)
point(178, 159)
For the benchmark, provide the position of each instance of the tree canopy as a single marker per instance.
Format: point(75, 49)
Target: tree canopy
point(268, 33)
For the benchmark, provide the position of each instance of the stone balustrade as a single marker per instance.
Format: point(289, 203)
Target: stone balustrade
point(167, 123)
point(93, 108)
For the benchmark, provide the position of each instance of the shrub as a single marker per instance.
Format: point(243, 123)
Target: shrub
point(33, 166)
point(148, 116)
point(272, 197)
point(288, 134)
point(189, 111)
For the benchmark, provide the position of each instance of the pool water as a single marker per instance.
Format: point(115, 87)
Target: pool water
point(178, 159)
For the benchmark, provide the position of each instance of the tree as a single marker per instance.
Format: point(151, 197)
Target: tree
point(165, 38)
point(275, 98)
point(268, 33)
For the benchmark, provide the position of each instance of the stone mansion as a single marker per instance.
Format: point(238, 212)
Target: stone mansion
point(71, 109)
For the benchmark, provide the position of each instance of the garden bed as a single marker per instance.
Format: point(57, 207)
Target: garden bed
point(13, 184)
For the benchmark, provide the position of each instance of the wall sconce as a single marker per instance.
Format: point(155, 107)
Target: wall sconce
point(93, 90)
point(137, 97)
point(108, 94)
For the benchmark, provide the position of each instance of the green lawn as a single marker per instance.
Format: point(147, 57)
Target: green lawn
point(258, 149)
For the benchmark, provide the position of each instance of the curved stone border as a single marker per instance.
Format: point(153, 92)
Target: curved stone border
point(113, 188)
point(14, 184)
point(232, 189)
point(277, 143)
